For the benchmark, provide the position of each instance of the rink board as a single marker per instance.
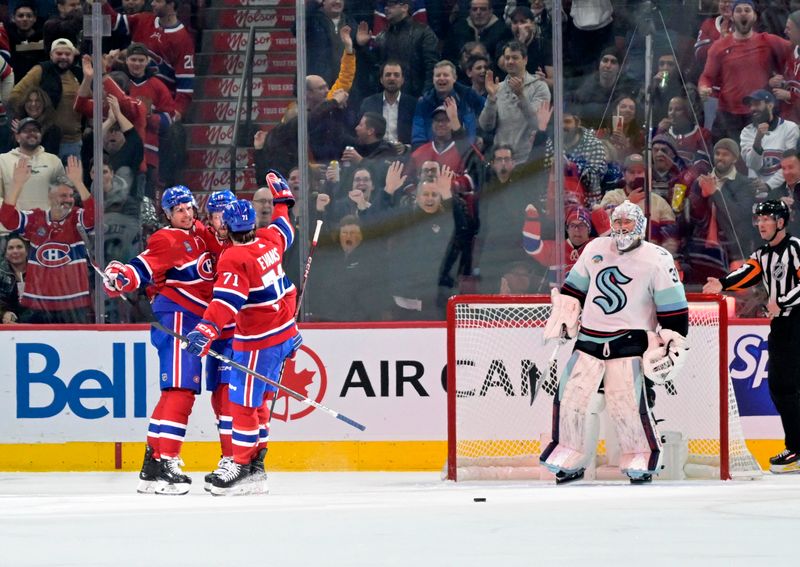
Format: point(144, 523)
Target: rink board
point(79, 399)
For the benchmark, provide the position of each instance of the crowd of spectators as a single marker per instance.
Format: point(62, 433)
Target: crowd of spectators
point(431, 134)
point(46, 141)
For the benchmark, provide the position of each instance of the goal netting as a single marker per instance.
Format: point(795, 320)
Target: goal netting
point(497, 430)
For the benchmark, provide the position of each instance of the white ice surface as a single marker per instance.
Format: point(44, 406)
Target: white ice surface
point(397, 519)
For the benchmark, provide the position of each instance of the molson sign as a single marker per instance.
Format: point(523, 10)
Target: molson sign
point(225, 111)
point(216, 159)
point(263, 17)
point(233, 63)
point(228, 87)
point(224, 41)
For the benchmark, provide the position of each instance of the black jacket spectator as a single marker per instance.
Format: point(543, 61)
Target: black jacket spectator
point(405, 113)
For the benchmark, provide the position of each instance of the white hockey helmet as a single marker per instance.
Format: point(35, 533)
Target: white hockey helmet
point(624, 239)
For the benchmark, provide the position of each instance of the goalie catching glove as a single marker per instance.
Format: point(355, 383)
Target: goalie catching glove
point(662, 363)
point(563, 320)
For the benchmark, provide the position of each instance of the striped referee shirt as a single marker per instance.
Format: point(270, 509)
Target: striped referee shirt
point(779, 268)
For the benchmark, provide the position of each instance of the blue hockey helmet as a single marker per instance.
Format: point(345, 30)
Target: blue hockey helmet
point(175, 196)
point(218, 200)
point(240, 216)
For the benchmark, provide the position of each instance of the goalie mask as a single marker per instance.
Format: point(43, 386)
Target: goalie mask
point(628, 239)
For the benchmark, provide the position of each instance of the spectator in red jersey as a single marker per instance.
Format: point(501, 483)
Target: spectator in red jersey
point(57, 283)
point(447, 147)
point(711, 30)
point(580, 226)
point(740, 64)
point(153, 92)
point(693, 142)
point(171, 46)
point(786, 87)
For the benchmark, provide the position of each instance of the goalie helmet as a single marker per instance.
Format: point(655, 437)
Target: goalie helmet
point(240, 216)
point(626, 240)
point(218, 200)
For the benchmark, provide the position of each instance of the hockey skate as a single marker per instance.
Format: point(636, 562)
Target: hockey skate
point(171, 480)
point(148, 476)
point(785, 462)
point(565, 478)
point(258, 476)
point(642, 479)
point(232, 482)
point(221, 467)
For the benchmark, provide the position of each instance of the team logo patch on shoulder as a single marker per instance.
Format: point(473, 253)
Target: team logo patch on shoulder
point(164, 377)
point(597, 259)
point(187, 246)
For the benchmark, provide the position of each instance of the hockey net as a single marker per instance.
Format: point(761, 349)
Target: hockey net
point(497, 430)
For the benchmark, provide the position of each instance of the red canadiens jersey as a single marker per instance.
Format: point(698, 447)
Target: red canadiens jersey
point(252, 288)
point(181, 266)
point(56, 278)
point(162, 113)
point(171, 49)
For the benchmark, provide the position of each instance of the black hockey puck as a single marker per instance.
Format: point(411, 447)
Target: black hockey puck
point(479, 499)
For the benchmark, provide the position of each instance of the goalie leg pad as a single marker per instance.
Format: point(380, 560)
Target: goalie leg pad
point(576, 412)
point(626, 398)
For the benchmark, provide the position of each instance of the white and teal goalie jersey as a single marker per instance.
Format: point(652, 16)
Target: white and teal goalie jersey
point(639, 289)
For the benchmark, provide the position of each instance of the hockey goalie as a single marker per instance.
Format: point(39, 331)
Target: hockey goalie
point(625, 304)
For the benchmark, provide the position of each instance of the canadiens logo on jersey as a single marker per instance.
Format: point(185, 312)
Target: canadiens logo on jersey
point(612, 298)
point(205, 266)
point(53, 254)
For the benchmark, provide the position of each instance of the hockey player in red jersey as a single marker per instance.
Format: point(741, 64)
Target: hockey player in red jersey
point(252, 288)
point(217, 371)
point(179, 263)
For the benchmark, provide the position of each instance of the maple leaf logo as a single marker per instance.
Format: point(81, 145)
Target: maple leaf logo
point(305, 375)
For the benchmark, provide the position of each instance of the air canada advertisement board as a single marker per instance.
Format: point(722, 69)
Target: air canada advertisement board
point(100, 385)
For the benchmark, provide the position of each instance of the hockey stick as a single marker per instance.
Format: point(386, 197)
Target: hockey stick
point(297, 396)
point(307, 269)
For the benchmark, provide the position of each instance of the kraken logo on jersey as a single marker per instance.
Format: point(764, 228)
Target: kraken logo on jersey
point(612, 298)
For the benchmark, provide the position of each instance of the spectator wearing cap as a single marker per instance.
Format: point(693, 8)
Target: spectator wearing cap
point(404, 40)
point(584, 152)
point(44, 167)
point(154, 94)
point(67, 23)
point(469, 105)
point(786, 87)
point(601, 86)
point(480, 24)
point(764, 141)
point(662, 218)
point(448, 145)
point(738, 65)
point(721, 234)
point(537, 44)
point(59, 78)
point(511, 106)
point(56, 291)
point(25, 38)
point(580, 226)
point(670, 171)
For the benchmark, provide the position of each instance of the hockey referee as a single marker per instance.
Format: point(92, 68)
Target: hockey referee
point(778, 264)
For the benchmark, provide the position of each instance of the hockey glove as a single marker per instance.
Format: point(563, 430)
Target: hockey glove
point(661, 364)
point(120, 277)
point(199, 340)
point(280, 189)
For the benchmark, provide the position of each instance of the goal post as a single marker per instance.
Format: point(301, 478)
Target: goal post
point(496, 361)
